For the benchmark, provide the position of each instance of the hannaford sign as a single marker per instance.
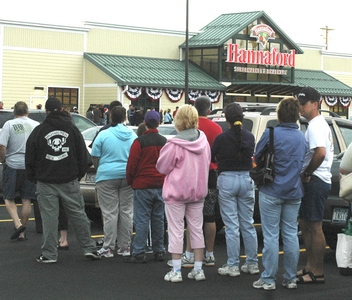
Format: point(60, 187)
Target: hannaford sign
point(270, 58)
point(260, 71)
point(263, 33)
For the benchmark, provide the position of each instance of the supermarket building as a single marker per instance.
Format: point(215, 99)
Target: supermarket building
point(243, 57)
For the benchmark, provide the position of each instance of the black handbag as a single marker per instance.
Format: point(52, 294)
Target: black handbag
point(263, 172)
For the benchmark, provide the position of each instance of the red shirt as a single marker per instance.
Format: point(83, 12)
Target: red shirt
point(211, 130)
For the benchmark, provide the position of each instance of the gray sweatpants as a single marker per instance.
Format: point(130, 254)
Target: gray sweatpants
point(72, 199)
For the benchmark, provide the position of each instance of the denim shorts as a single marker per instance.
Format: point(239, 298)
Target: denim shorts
point(13, 181)
point(316, 192)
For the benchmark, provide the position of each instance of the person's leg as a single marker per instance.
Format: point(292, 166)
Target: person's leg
point(27, 191)
point(142, 208)
point(125, 215)
point(109, 205)
point(245, 204)
point(270, 212)
point(310, 220)
point(25, 214)
point(209, 220)
point(11, 208)
point(194, 218)
point(48, 200)
point(229, 214)
point(63, 227)
point(314, 241)
point(9, 178)
point(175, 221)
point(158, 222)
point(72, 199)
point(289, 236)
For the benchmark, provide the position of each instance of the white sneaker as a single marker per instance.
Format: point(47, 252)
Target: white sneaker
point(185, 262)
point(209, 261)
point(105, 252)
point(124, 252)
point(229, 270)
point(173, 276)
point(251, 269)
point(198, 275)
point(260, 284)
point(289, 284)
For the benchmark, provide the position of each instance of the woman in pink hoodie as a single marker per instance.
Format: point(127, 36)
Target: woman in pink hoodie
point(185, 161)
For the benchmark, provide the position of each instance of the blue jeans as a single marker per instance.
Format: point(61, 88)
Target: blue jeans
point(236, 200)
point(278, 214)
point(149, 209)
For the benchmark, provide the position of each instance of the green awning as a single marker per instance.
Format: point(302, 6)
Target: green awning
point(326, 84)
point(152, 72)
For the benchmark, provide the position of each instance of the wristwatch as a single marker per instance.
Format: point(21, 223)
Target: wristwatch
point(306, 174)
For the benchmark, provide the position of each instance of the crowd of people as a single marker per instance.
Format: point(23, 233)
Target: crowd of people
point(148, 177)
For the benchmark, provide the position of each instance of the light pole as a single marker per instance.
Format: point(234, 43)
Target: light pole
point(186, 57)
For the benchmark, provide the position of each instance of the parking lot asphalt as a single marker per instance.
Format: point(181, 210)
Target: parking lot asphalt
point(75, 277)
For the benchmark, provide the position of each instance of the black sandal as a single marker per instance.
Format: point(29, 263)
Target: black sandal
point(303, 272)
point(314, 279)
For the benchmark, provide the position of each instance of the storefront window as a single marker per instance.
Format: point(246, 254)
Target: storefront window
point(207, 59)
point(68, 96)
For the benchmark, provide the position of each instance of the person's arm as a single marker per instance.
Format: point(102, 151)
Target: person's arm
point(316, 161)
point(95, 161)
point(133, 161)
point(2, 153)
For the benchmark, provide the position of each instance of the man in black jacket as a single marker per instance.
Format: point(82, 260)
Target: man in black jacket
point(56, 159)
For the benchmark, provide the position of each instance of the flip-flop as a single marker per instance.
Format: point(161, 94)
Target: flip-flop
point(17, 232)
point(22, 238)
point(314, 279)
point(302, 272)
point(63, 247)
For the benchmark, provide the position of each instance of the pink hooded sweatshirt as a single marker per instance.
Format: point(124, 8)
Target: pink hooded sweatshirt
point(186, 166)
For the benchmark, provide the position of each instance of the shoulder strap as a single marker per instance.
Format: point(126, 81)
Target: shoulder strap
point(271, 140)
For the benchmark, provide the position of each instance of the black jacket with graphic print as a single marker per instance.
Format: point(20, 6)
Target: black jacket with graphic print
point(56, 151)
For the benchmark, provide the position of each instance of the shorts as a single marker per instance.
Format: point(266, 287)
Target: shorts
point(211, 199)
point(15, 181)
point(316, 192)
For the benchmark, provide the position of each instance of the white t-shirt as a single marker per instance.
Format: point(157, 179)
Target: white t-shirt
point(318, 134)
point(13, 136)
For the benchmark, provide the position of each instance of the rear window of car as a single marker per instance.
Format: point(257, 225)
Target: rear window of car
point(5, 116)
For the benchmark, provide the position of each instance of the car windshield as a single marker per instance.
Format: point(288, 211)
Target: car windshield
point(90, 133)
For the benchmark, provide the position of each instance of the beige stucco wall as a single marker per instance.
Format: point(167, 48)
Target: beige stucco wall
point(23, 70)
point(49, 39)
point(311, 60)
point(131, 43)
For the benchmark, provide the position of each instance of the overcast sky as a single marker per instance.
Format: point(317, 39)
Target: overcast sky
point(300, 19)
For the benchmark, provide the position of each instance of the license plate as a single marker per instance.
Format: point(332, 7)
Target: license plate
point(339, 215)
point(90, 177)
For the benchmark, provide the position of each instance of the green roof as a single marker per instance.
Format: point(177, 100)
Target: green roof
point(321, 81)
point(224, 27)
point(152, 72)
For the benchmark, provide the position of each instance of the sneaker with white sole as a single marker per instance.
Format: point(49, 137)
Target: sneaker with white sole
point(209, 261)
point(260, 284)
point(198, 275)
point(124, 252)
point(185, 262)
point(42, 259)
point(229, 270)
point(105, 252)
point(251, 269)
point(92, 255)
point(289, 284)
point(173, 276)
